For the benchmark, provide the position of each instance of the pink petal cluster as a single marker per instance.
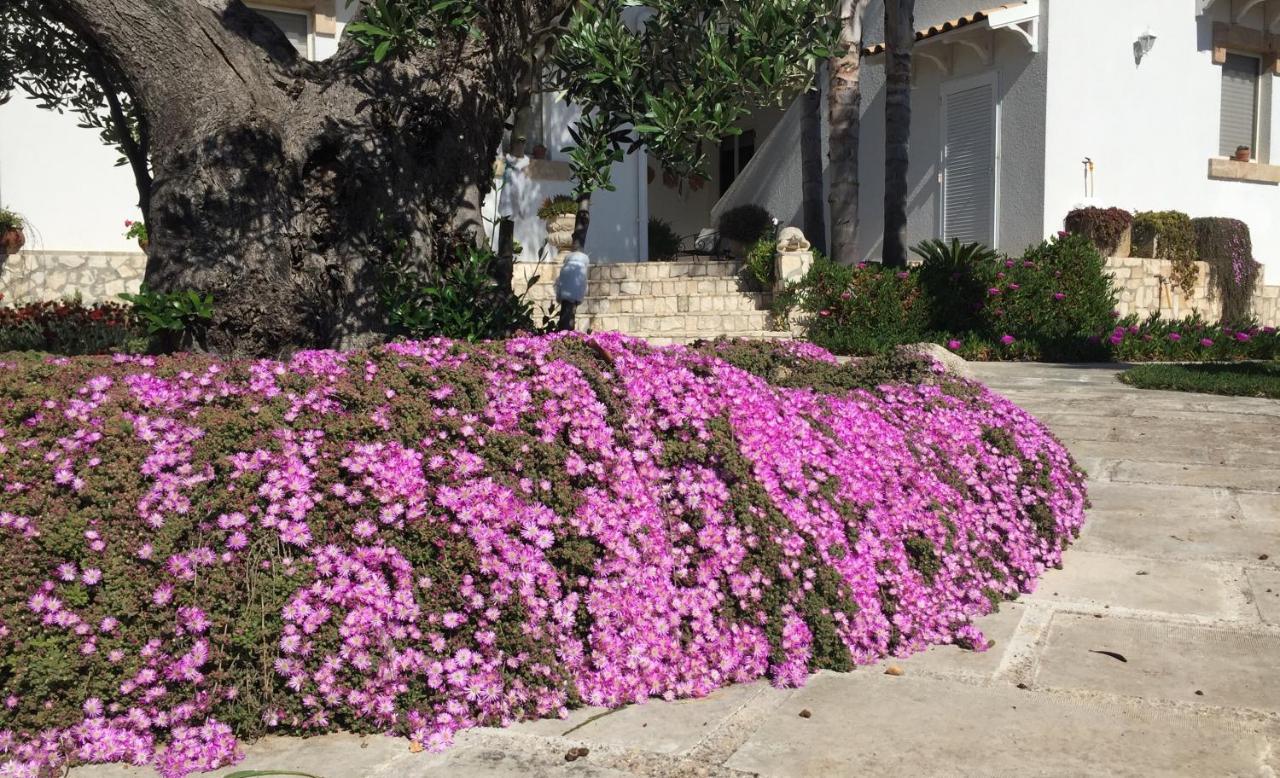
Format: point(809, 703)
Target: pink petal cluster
point(461, 536)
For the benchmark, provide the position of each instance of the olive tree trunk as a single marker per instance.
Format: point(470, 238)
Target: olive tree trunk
point(900, 39)
point(278, 183)
point(844, 117)
point(815, 219)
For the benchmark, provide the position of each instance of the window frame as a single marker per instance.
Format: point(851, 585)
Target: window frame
point(310, 16)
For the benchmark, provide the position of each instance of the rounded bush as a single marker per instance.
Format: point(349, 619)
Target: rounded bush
point(434, 535)
point(745, 223)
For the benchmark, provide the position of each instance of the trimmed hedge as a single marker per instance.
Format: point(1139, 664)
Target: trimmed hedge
point(431, 536)
point(1104, 227)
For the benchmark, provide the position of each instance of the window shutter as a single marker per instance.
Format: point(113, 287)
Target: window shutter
point(1239, 104)
point(293, 25)
point(969, 166)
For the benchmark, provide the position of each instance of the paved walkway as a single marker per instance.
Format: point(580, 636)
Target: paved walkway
point(1155, 651)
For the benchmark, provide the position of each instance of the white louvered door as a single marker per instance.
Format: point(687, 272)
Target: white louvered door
point(1239, 119)
point(969, 162)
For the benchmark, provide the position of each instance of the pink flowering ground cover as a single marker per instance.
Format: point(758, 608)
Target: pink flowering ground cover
point(432, 536)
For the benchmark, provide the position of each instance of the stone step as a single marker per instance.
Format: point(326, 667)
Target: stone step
point(684, 338)
point(666, 287)
point(655, 271)
point(669, 304)
point(648, 325)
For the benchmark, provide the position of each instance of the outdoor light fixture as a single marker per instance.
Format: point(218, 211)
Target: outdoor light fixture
point(1143, 45)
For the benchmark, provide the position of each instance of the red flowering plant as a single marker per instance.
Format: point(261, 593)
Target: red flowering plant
point(437, 535)
point(136, 230)
point(67, 327)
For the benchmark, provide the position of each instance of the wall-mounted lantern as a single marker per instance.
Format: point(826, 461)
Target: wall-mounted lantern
point(1143, 45)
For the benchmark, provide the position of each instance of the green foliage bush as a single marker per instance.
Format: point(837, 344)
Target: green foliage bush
point(1249, 379)
point(761, 267)
point(864, 309)
point(664, 242)
point(560, 205)
point(176, 321)
point(1168, 235)
point(745, 224)
point(1104, 227)
point(1225, 244)
point(10, 220)
point(463, 302)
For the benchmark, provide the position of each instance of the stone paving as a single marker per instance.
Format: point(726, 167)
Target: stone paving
point(1176, 578)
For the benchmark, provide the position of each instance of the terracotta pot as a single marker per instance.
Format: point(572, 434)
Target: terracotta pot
point(539, 152)
point(144, 244)
point(12, 241)
point(560, 230)
point(1242, 154)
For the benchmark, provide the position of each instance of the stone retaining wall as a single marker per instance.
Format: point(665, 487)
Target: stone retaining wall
point(96, 276)
point(1146, 286)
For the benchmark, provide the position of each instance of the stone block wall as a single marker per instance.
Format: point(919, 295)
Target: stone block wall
point(98, 276)
point(1146, 286)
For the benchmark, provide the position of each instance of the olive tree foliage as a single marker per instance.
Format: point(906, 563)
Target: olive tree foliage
point(674, 76)
point(43, 60)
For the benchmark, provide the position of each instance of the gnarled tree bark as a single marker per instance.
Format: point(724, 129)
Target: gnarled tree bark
point(844, 116)
point(279, 182)
point(900, 37)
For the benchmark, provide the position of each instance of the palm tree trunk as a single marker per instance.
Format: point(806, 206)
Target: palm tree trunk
point(844, 117)
point(900, 38)
point(815, 220)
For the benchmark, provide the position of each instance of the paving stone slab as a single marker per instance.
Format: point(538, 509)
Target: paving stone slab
point(328, 756)
point(880, 725)
point(1264, 585)
point(489, 762)
point(1260, 507)
point(657, 726)
point(1255, 478)
point(1176, 522)
point(1164, 586)
point(1114, 450)
point(1232, 668)
point(998, 628)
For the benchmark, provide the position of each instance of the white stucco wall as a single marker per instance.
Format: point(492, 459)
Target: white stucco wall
point(1151, 127)
point(1020, 88)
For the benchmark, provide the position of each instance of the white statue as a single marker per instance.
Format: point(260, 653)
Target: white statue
point(792, 239)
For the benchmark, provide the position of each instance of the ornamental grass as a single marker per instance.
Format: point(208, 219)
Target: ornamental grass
point(432, 536)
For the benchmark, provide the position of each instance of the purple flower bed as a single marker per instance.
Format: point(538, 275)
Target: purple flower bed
point(433, 536)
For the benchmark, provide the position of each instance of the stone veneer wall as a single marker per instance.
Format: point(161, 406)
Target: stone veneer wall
point(1146, 286)
point(96, 276)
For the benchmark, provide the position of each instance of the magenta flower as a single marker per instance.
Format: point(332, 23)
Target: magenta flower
point(1059, 296)
point(1175, 337)
point(953, 344)
point(1243, 337)
point(993, 291)
point(1007, 339)
point(1206, 342)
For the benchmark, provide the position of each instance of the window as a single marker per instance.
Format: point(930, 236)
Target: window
point(295, 25)
point(1239, 121)
point(735, 152)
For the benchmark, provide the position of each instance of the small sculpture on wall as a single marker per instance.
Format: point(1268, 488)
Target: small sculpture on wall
point(792, 239)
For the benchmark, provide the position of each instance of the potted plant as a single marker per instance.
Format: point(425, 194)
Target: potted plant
point(138, 231)
point(740, 227)
point(561, 215)
point(12, 235)
point(1243, 153)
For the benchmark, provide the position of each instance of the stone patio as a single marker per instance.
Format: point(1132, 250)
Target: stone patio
point(1176, 578)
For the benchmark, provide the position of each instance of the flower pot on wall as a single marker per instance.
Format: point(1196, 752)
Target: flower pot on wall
point(144, 244)
point(12, 241)
point(1243, 154)
point(560, 231)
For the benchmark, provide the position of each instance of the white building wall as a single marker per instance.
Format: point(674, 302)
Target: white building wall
point(1150, 128)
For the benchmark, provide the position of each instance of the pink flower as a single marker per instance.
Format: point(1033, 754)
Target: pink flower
point(824, 312)
point(1243, 337)
point(1059, 296)
point(953, 344)
point(1206, 342)
point(1007, 339)
point(1175, 337)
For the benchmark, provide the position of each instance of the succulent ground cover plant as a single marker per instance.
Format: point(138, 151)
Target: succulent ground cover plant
point(436, 535)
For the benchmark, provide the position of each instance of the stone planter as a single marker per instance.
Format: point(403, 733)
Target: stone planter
point(1124, 246)
point(144, 244)
point(12, 241)
point(560, 231)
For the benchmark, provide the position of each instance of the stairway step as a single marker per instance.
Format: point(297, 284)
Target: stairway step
point(709, 324)
point(659, 305)
point(684, 338)
point(637, 271)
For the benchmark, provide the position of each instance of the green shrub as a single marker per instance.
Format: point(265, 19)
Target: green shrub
point(176, 321)
point(463, 302)
point(745, 224)
point(1104, 227)
point(1241, 380)
point(761, 266)
point(865, 309)
point(1226, 246)
point(954, 277)
point(1169, 235)
point(1191, 339)
point(664, 242)
point(560, 205)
